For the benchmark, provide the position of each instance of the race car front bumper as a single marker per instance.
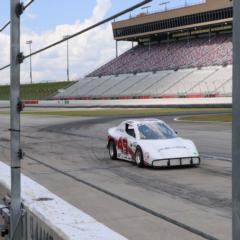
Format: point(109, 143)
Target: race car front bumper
point(190, 161)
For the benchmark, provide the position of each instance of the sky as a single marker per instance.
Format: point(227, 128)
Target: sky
point(46, 21)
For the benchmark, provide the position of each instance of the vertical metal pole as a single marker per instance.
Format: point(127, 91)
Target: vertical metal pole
point(210, 34)
point(30, 60)
point(68, 72)
point(68, 77)
point(215, 86)
point(236, 124)
point(15, 211)
point(30, 48)
point(116, 48)
point(168, 41)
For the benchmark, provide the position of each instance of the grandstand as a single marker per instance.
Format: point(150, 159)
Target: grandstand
point(185, 52)
point(198, 52)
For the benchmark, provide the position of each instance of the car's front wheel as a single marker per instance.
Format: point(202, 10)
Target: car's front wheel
point(139, 157)
point(112, 150)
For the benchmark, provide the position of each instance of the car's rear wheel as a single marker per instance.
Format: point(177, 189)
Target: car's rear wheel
point(112, 150)
point(139, 157)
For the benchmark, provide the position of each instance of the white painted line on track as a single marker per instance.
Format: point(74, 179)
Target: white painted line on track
point(216, 157)
point(177, 119)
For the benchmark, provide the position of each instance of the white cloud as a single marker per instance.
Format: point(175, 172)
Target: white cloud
point(87, 52)
point(31, 16)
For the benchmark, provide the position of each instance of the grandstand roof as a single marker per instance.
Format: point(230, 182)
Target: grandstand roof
point(211, 13)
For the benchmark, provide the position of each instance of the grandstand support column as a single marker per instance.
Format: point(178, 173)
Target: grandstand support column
point(209, 34)
point(168, 40)
point(116, 48)
point(149, 46)
point(236, 124)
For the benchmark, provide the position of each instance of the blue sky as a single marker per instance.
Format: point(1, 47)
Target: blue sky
point(43, 15)
point(47, 21)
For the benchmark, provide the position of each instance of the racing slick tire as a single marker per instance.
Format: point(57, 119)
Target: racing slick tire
point(139, 157)
point(112, 150)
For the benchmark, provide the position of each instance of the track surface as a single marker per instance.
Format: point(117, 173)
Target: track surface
point(69, 156)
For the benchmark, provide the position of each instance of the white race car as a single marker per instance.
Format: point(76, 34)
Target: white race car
point(150, 142)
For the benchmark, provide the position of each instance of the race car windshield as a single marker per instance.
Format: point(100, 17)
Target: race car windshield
point(155, 131)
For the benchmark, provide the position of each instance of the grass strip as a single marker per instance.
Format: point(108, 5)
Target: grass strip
point(116, 112)
point(35, 91)
point(208, 118)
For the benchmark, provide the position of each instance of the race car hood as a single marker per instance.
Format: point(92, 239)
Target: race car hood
point(169, 148)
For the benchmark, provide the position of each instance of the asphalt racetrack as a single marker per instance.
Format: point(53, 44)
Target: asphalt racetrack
point(68, 155)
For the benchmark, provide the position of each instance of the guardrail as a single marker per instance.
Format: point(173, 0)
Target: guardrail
point(48, 217)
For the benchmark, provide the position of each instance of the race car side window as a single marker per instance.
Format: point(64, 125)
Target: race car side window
point(130, 130)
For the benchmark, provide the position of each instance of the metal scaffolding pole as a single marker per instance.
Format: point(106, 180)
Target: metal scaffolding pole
point(236, 124)
point(16, 106)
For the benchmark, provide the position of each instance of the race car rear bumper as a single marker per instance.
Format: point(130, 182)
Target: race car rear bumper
point(190, 161)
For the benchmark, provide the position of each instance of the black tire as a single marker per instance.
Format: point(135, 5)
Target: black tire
point(112, 150)
point(139, 157)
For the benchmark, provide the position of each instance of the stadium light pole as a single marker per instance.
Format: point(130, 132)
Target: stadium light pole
point(30, 59)
point(236, 124)
point(68, 75)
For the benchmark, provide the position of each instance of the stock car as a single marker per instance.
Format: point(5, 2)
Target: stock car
point(151, 142)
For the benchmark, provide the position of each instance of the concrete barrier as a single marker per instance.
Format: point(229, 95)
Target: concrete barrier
point(4, 104)
point(48, 217)
point(138, 103)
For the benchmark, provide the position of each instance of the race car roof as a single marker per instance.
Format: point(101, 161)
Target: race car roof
point(143, 120)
